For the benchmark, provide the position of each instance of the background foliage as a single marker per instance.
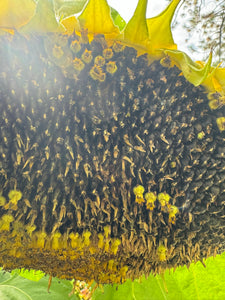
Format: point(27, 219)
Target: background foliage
point(204, 23)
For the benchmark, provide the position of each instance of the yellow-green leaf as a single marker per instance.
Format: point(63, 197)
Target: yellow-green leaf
point(31, 274)
point(192, 71)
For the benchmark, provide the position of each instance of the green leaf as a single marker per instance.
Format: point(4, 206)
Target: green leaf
point(196, 283)
point(65, 9)
point(29, 274)
point(15, 287)
point(117, 19)
point(8, 292)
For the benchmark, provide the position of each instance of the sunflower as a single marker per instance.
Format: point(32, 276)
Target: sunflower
point(112, 159)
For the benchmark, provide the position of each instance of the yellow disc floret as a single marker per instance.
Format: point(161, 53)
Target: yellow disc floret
point(86, 238)
point(214, 104)
point(110, 264)
point(108, 53)
point(201, 135)
point(150, 198)
point(5, 222)
point(55, 240)
point(41, 239)
point(118, 47)
point(111, 67)
point(30, 229)
point(78, 64)
point(75, 240)
point(115, 245)
point(107, 230)
point(75, 46)
point(15, 196)
point(99, 61)
point(97, 74)
point(161, 252)
point(164, 199)
point(139, 194)
point(166, 61)
point(100, 241)
point(221, 123)
point(87, 56)
point(57, 51)
point(2, 201)
point(123, 271)
point(173, 211)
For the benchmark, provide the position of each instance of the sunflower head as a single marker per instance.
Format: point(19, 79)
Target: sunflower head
point(111, 145)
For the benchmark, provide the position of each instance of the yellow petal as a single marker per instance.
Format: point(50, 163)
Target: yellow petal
point(192, 71)
point(70, 24)
point(159, 28)
point(15, 13)
point(136, 30)
point(97, 19)
point(218, 79)
point(44, 19)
